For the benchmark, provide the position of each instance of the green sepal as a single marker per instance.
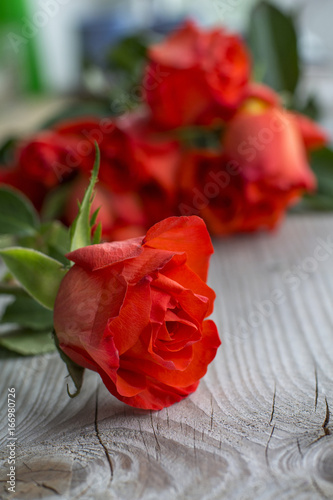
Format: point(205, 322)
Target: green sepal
point(81, 229)
point(75, 371)
point(38, 274)
point(94, 217)
point(97, 234)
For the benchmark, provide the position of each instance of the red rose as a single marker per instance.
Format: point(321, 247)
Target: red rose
point(212, 189)
point(137, 171)
point(135, 156)
point(196, 76)
point(262, 170)
point(134, 311)
point(267, 142)
point(43, 158)
point(51, 157)
point(17, 179)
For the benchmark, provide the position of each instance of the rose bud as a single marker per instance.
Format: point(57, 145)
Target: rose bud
point(134, 311)
point(196, 76)
point(262, 169)
point(268, 144)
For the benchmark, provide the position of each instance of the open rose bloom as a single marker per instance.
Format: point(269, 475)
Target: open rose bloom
point(196, 76)
point(135, 312)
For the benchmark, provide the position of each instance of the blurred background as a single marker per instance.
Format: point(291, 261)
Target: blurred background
point(52, 51)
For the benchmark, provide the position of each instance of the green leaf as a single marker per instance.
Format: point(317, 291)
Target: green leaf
point(200, 137)
point(94, 217)
point(81, 229)
point(7, 240)
point(273, 42)
point(75, 371)
point(7, 151)
point(97, 107)
point(17, 214)
point(25, 311)
point(56, 241)
point(321, 162)
point(129, 54)
point(55, 202)
point(310, 108)
point(14, 290)
point(38, 274)
point(97, 234)
point(28, 343)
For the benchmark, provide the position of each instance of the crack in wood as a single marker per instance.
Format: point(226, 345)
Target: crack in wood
point(316, 394)
point(158, 447)
point(267, 445)
point(43, 485)
point(327, 419)
point(100, 439)
point(144, 441)
point(299, 448)
point(167, 419)
point(273, 405)
point(326, 430)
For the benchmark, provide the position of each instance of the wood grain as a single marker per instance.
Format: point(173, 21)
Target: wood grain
point(258, 427)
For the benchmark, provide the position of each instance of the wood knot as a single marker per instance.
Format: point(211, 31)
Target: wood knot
point(325, 466)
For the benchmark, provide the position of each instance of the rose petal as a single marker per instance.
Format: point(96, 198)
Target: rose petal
point(130, 383)
point(313, 135)
point(183, 234)
point(85, 302)
point(180, 49)
point(149, 261)
point(203, 353)
point(133, 317)
point(100, 256)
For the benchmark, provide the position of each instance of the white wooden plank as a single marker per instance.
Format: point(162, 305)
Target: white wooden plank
point(258, 426)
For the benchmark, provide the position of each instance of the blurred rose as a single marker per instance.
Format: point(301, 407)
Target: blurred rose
point(267, 142)
point(134, 311)
point(32, 188)
point(196, 76)
point(51, 157)
point(138, 170)
point(135, 155)
point(208, 189)
point(43, 158)
point(262, 169)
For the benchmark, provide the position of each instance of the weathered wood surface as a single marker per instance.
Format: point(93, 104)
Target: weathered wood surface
point(259, 425)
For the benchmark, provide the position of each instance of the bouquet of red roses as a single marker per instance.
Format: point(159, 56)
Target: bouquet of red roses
point(206, 140)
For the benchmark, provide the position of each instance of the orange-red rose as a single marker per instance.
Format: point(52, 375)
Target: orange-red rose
point(196, 76)
point(135, 312)
point(261, 169)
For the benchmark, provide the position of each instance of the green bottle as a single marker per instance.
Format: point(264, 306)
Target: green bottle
point(18, 53)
